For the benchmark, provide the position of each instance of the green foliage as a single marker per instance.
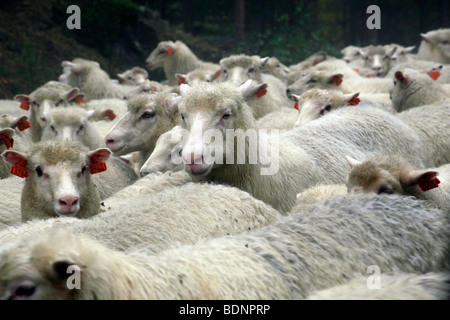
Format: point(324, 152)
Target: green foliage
point(32, 70)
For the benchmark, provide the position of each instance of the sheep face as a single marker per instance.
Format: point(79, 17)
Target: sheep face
point(140, 127)
point(240, 68)
point(159, 55)
point(385, 174)
point(146, 86)
point(208, 112)
point(400, 55)
point(316, 103)
point(133, 77)
point(314, 79)
point(58, 174)
point(378, 59)
point(351, 53)
point(71, 123)
point(438, 40)
point(274, 67)
point(163, 158)
point(41, 270)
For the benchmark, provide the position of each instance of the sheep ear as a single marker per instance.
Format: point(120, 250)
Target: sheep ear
point(121, 77)
point(435, 73)
point(426, 180)
point(352, 99)
point(362, 53)
point(68, 64)
point(97, 159)
point(216, 75)
point(91, 113)
point(401, 77)
point(6, 137)
point(245, 87)
point(184, 88)
point(263, 61)
point(21, 123)
point(62, 269)
point(408, 49)
point(337, 79)
point(24, 101)
point(181, 78)
point(18, 161)
point(352, 162)
point(392, 51)
point(72, 94)
point(172, 105)
point(425, 38)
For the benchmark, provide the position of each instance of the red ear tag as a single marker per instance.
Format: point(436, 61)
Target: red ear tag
point(337, 80)
point(315, 62)
point(121, 80)
point(110, 115)
point(261, 91)
point(20, 169)
point(354, 101)
point(25, 105)
point(427, 183)
point(180, 82)
point(296, 106)
point(23, 125)
point(96, 165)
point(434, 74)
point(9, 142)
point(356, 70)
point(368, 76)
point(169, 51)
point(79, 100)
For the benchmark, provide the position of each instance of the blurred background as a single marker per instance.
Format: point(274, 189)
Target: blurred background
point(120, 34)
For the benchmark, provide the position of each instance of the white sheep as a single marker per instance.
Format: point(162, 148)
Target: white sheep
point(92, 80)
point(12, 108)
point(176, 57)
point(298, 159)
point(274, 67)
point(317, 193)
point(378, 59)
point(198, 75)
point(307, 64)
point(435, 46)
point(412, 89)
point(432, 124)
point(392, 286)
point(317, 248)
point(134, 76)
point(58, 179)
point(10, 194)
point(316, 103)
point(161, 211)
point(390, 174)
point(147, 118)
point(167, 148)
point(52, 94)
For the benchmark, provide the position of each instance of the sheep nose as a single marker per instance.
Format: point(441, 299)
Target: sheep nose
point(193, 159)
point(376, 68)
point(68, 202)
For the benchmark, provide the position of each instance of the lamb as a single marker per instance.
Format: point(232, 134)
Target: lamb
point(161, 211)
point(135, 76)
point(147, 118)
point(198, 75)
point(88, 76)
point(317, 193)
point(390, 174)
point(393, 286)
point(378, 59)
point(299, 158)
point(315, 103)
point(57, 182)
point(42, 100)
point(432, 124)
point(352, 54)
point(167, 147)
point(412, 89)
point(176, 57)
point(435, 46)
point(12, 108)
point(288, 259)
point(283, 119)
point(149, 87)
point(274, 67)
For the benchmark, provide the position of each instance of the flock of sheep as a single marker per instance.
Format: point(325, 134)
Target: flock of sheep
point(361, 151)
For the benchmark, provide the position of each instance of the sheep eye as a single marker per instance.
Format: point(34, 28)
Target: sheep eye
point(83, 170)
point(278, 65)
point(53, 128)
point(25, 291)
point(366, 58)
point(394, 58)
point(39, 171)
point(385, 189)
point(251, 69)
point(148, 115)
point(59, 102)
point(356, 54)
point(129, 78)
point(162, 51)
point(146, 90)
point(395, 82)
point(34, 103)
point(328, 108)
point(81, 128)
point(312, 80)
point(226, 116)
point(182, 117)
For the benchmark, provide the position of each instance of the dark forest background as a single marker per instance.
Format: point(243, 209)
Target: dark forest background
point(120, 34)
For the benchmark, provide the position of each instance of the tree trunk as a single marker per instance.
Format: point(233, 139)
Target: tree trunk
point(239, 19)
